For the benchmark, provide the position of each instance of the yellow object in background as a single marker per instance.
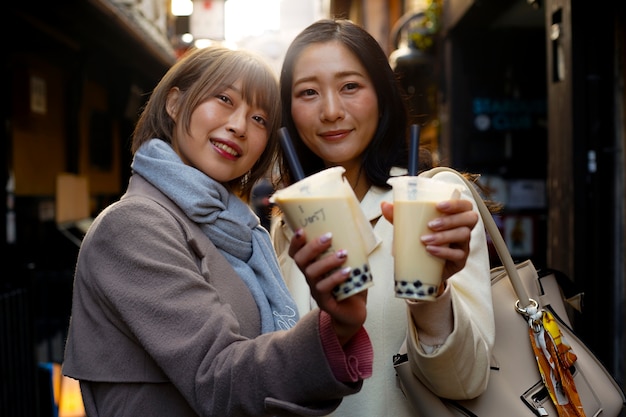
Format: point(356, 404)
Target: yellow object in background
point(66, 394)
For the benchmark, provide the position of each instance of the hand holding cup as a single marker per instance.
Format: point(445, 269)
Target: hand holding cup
point(325, 203)
point(323, 274)
point(431, 234)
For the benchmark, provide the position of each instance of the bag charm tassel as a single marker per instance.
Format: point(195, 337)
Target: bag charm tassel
point(555, 358)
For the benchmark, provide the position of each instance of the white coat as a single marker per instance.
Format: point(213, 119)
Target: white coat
point(460, 323)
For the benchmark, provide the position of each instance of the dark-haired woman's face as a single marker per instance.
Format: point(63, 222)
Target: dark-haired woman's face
point(334, 104)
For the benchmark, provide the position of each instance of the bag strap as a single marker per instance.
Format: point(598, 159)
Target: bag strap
point(494, 232)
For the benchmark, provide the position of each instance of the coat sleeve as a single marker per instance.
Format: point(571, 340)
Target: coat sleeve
point(459, 367)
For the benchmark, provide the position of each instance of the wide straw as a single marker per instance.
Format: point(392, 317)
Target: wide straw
point(414, 149)
point(290, 154)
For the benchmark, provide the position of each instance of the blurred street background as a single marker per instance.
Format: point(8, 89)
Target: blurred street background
point(530, 94)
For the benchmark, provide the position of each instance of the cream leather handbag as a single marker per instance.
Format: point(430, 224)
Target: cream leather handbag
point(515, 386)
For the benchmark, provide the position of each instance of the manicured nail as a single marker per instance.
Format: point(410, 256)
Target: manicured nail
point(342, 253)
point(435, 223)
point(326, 237)
point(346, 271)
point(433, 250)
point(298, 233)
point(443, 204)
point(428, 239)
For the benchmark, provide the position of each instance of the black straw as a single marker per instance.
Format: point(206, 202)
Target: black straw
point(290, 154)
point(414, 149)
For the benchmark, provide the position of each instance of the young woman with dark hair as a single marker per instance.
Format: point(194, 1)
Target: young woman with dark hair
point(343, 106)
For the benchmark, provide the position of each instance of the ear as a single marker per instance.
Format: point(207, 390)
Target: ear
point(171, 105)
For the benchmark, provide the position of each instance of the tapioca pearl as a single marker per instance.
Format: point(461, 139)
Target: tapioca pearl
point(358, 276)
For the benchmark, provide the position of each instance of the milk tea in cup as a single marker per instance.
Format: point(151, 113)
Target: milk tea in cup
point(417, 273)
point(324, 202)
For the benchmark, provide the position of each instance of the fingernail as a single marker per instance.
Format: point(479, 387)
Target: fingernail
point(428, 238)
point(342, 253)
point(435, 223)
point(443, 204)
point(346, 271)
point(433, 250)
point(326, 237)
point(298, 233)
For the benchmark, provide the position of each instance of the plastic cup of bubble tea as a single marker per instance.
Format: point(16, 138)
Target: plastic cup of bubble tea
point(417, 273)
point(324, 202)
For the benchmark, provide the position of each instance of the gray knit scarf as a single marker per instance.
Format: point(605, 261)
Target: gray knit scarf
point(230, 224)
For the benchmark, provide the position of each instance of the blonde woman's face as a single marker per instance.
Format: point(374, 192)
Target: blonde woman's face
point(226, 136)
point(334, 104)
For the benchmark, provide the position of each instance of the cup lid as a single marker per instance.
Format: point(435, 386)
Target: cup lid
point(315, 184)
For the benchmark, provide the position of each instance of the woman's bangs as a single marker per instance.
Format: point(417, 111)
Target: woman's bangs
point(260, 89)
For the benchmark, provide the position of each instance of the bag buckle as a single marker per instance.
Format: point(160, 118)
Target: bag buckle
point(399, 358)
point(535, 397)
point(532, 314)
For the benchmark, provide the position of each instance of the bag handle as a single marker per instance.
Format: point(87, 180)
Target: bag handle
point(494, 232)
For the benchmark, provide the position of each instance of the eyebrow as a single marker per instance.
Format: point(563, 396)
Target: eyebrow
point(338, 75)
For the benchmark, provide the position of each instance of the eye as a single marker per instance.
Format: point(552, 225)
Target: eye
point(260, 119)
point(224, 98)
point(351, 86)
point(307, 92)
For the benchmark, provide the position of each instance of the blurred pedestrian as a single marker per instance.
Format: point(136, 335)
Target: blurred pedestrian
point(261, 193)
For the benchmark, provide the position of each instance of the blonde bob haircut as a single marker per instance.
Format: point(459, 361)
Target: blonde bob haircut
point(201, 74)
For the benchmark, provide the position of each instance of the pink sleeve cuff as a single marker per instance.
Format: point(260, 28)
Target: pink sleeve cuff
point(354, 361)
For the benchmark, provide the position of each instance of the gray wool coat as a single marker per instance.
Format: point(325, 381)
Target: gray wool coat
point(163, 326)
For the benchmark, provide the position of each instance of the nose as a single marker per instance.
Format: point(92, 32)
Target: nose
point(237, 122)
point(332, 108)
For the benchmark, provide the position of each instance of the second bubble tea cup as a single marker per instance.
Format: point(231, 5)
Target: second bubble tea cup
point(324, 202)
point(417, 273)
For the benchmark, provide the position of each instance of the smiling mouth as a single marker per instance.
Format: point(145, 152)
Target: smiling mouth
point(334, 135)
point(225, 148)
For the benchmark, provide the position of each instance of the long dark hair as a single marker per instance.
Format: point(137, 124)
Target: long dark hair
point(388, 147)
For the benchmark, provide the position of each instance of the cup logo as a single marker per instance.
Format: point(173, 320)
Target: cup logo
point(318, 215)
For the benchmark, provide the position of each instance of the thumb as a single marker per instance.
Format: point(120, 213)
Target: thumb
point(387, 209)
